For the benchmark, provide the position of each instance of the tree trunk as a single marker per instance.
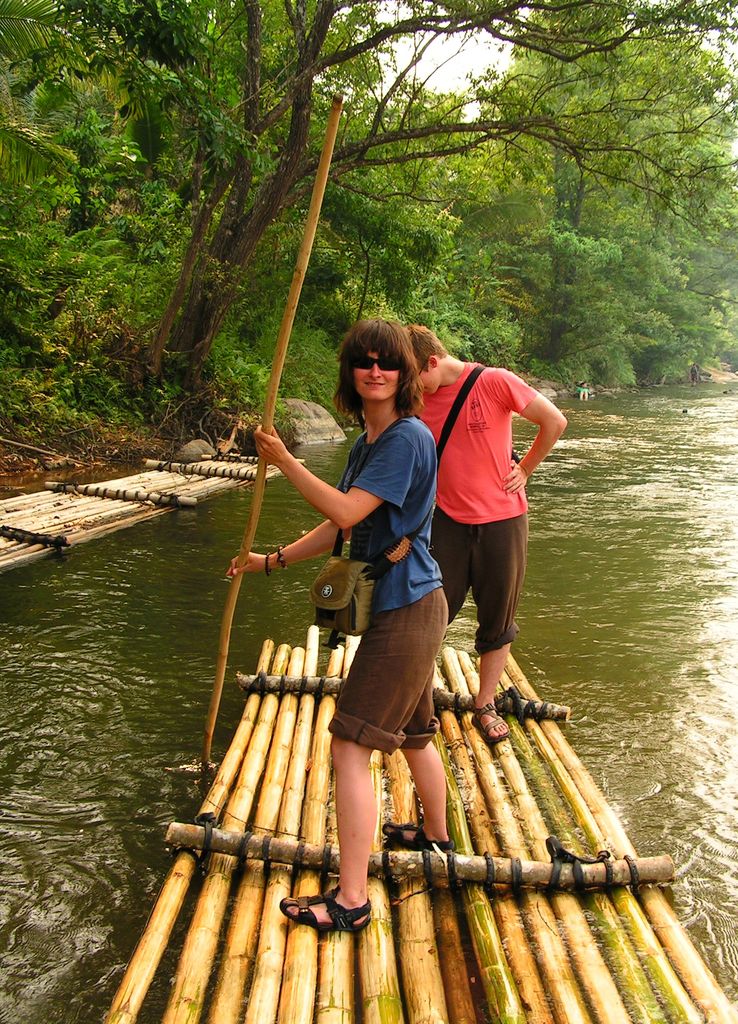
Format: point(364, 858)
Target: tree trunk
point(215, 278)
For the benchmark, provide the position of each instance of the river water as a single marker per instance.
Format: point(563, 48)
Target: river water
point(107, 658)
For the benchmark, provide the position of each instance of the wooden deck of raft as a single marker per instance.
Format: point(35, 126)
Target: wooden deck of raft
point(79, 517)
point(428, 957)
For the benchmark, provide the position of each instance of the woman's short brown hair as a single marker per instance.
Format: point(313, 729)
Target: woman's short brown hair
point(390, 340)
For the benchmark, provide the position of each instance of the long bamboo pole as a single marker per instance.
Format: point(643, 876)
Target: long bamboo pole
point(120, 493)
point(145, 960)
point(267, 421)
point(693, 971)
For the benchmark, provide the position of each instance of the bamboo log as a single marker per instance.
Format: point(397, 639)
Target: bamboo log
point(562, 989)
point(290, 766)
point(505, 906)
point(695, 974)
point(633, 982)
point(501, 992)
point(594, 977)
point(334, 1003)
point(147, 956)
point(505, 702)
point(659, 968)
point(299, 983)
point(380, 983)
point(422, 981)
point(239, 948)
point(280, 354)
point(186, 999)
point(122, 494)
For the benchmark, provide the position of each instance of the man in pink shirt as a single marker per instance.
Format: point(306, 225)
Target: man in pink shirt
point(480, 526)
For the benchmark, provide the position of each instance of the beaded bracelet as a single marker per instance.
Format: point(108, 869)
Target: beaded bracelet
point(267, 570)
point(280, 556)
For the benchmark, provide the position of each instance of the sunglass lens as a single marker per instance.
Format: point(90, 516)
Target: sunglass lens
point(367, 362)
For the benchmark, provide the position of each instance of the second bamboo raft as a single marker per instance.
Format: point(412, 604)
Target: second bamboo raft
point(86, 511)
point(432, 954)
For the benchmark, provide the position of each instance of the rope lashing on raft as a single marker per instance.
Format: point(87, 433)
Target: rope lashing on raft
point(566, 872)
point(29, 537)
point(508, 702)
point(560, 856)
point(231, 472)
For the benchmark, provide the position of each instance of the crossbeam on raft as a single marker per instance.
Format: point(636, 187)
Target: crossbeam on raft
point(510, 702)
point(407, 865)
point(203, 469)
point(121, 494)
point(47, 540)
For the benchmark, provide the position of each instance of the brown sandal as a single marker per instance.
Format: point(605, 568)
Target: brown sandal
point(494, 731)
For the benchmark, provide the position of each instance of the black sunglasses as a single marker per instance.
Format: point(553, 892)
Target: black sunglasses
point(368, 362)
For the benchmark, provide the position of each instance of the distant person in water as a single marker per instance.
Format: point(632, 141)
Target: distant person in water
point(480, 526)
point(386, 702)
point(583, 390)
point(694, 374)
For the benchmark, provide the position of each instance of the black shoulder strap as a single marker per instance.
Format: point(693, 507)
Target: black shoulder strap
point(448, 426)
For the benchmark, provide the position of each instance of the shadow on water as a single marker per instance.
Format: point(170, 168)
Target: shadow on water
point(108, 658)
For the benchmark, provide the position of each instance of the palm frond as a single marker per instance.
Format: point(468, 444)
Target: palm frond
point(26, 26)
point(26, 153)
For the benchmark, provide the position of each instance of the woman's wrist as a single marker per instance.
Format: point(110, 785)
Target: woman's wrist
point(274, 558)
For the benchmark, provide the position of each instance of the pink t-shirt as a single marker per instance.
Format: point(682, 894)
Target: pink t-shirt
point(477, 456)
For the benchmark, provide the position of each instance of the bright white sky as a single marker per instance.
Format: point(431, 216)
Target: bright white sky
point(451, 61)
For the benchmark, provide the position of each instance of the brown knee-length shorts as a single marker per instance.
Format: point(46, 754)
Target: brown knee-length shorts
point(386, 701)
point(490, 558)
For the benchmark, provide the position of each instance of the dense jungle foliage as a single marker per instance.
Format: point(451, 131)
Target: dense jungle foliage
point(571, 213)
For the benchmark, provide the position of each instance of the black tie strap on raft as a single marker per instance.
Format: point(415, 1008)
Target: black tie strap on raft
point(560, 856)
point(566, 871)
point(206, 821)
point(509, 702)
point(522, 708)
point(29, 537)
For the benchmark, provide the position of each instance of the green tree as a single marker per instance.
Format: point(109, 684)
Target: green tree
point(252, 87)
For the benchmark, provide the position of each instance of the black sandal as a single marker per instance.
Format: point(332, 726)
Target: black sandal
point(342, 919)
point(418, 839)
point(490, 731)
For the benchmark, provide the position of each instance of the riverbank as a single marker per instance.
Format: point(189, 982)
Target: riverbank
point(98, 444)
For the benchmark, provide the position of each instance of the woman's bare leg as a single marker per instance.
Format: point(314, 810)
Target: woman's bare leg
point(430, 783)
point(356, 814)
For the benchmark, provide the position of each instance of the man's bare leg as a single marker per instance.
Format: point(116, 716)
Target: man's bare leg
point(491, 665)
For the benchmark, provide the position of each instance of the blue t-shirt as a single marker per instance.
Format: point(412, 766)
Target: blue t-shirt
point(399, 467)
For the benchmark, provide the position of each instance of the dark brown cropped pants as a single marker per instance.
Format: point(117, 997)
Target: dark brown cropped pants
point(386, 701)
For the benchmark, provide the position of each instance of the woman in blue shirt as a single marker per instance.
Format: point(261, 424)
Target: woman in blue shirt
point(386, 492)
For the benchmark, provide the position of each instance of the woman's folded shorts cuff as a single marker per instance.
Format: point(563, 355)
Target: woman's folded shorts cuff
point(483, 646)
point(355, 730)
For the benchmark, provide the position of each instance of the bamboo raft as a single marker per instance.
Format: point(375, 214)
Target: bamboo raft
point(446, 945)
point(41, 523)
